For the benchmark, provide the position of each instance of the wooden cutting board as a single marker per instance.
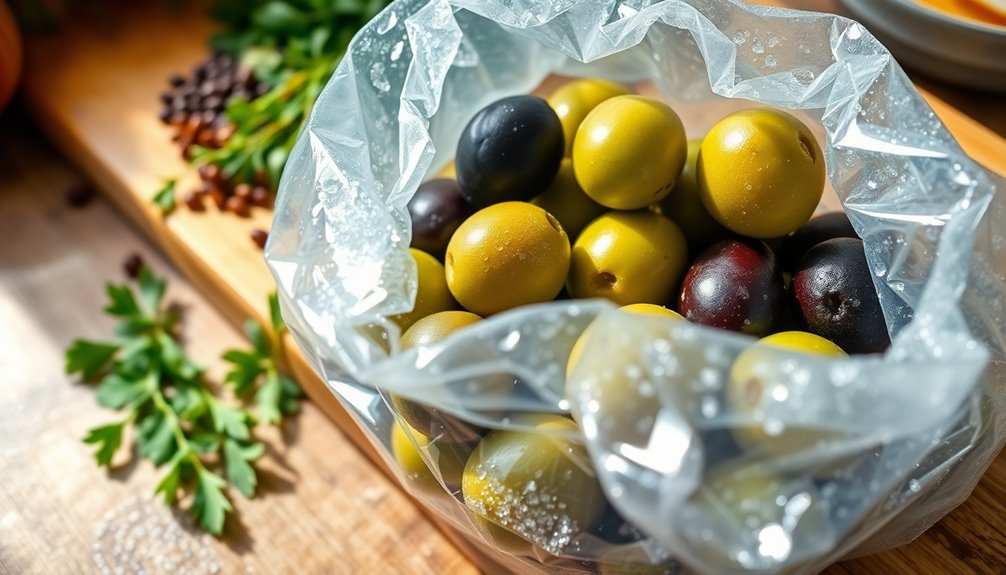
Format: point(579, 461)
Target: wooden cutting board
point(94, 87)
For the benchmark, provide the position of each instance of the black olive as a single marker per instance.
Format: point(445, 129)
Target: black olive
point(834, 296)
point(510, 151)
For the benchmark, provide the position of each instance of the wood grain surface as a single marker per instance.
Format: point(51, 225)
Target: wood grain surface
point(93, 89)
point(322, 506)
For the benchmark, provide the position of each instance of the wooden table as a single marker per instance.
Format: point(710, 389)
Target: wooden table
point(324, 508)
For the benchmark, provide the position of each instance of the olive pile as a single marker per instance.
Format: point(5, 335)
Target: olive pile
point(598, 193)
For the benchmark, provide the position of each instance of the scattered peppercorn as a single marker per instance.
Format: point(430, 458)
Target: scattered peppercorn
point(238, 206)
point(260, 237)
point(195, 106)
point(261, 197)
point(194, 201)
point(133, 265)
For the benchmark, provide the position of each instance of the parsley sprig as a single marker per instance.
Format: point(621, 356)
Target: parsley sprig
point(180, 421)
point(293, 46)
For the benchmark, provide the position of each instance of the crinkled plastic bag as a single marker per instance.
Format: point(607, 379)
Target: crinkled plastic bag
point(876, 448)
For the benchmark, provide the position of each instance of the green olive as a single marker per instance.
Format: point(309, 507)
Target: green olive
point(429, 421)
point(761, 173)
point(803, 341)
point(449, 459)
point(435, 328)
point(684, 207)
point(636, 308)
point(566, 201)
point(753, 371)
point(573, 101)
point(629, 152)
point(432, 295)
point(612, 368)
point(761, 510)
point(532, 484)
point(628, 257)
point(651, 309)
point(507, 255)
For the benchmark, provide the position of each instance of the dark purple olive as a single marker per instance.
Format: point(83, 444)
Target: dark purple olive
point(734, 285)
point(437, 209)
point(834, 297)
point(820, 229)
point(510, 151)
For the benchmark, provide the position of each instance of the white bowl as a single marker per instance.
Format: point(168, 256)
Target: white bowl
point(944, 46)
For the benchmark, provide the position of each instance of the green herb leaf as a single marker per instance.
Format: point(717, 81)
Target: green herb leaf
point(168, 486)
point(275, 315)
point(121, 302)
point(135, 351)
point(189, 401)
point(89, 357)
point(176, 360)
point(275, 161)
point(258, 337)
point(280, 17)
point(136, 326)
point(348, 7)
point(108, 438)
point(210, 506)
point(151, 290)
point(239, 471)
point(278, 395)
point(246, 368)
point(116, 392)
point(230, 421)
point(268, 398)
point(166, 197)
point(155, 439)
point(205, 443)
point(290, 396)
point(374, 8)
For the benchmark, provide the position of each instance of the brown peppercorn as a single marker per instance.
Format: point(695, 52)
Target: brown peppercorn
point(204, 138)
point(219, 198)
point(214, 104)
point(261, 197)
point(243, 191)
point(194, 201)
point(238, 206)
point(209, 173)
point(194, 104)
point(260, 237)
point(132, 265)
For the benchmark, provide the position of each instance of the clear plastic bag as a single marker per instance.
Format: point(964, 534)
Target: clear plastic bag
point(879, 448)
